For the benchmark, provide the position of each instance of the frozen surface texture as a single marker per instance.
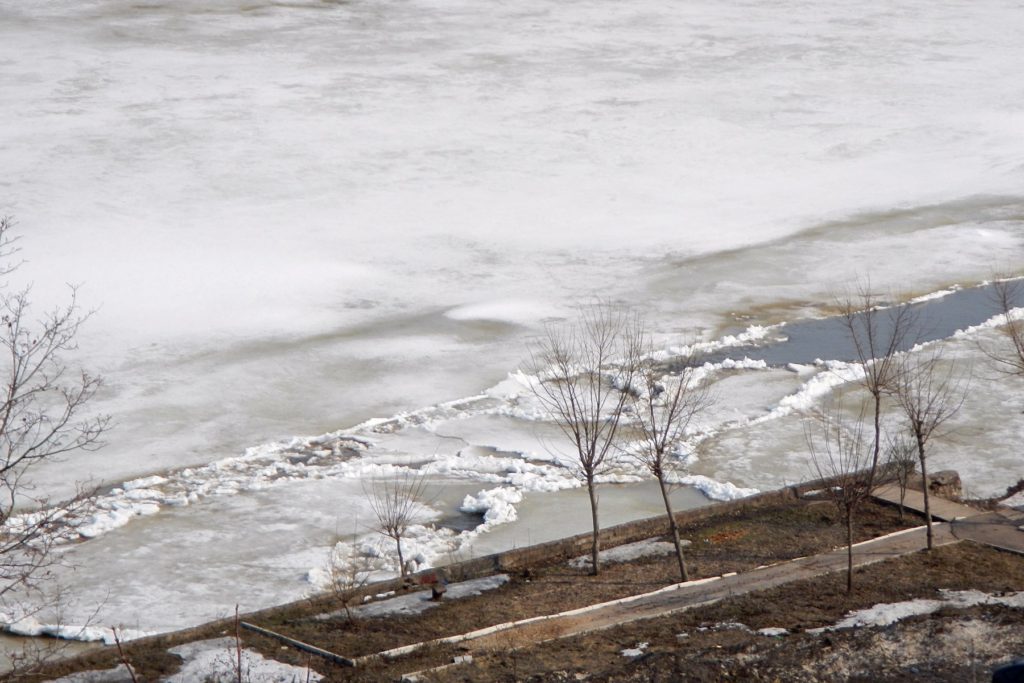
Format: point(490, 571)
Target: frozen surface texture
point(348, 218)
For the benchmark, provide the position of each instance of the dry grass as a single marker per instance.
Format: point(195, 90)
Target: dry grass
point(733, 541)
point(951, 645)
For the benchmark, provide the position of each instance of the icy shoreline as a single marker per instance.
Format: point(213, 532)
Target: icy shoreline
point(388, 447)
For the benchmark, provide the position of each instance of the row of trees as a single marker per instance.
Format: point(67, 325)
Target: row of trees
point(925, 389)
point(598, 378)
point(600, 382)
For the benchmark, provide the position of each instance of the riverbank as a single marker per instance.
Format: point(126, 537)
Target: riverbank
point(734, 537)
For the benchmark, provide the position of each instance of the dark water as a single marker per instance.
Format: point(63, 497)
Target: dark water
point(829, 338)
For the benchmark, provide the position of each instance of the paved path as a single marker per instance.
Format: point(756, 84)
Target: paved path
point(942, 509)
point(1003, 529)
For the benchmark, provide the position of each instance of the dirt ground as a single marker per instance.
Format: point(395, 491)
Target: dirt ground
point(718, 643)
point(732, 541)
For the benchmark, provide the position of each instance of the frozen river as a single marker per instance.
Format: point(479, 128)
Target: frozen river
point(294, 217)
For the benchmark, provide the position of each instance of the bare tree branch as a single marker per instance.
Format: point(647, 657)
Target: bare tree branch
point(839, 453)
point(901, 456)
point(43, 407)
point(878, 334)
point(584, 375)
point(396, 505)
point(930, 392)
point(663, 408)
point(1009, 359)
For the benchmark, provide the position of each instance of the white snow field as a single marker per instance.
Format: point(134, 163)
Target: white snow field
point(347, 219)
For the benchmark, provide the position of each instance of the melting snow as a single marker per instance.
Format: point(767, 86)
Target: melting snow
point(628, 552)
point(414, 603)
point(209, 660)
point(884, 614)
point(635, 651)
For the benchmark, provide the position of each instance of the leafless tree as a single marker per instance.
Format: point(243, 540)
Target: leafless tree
point(840, 454)
point(43, 418)
point(930, 392)
point(1007, 294)
point(878, 334)
point(239, 674)
point(585, 372)
point(123, 656)
point(346, 574)
point(663, 407)
point(902, 460)
point(396, 505)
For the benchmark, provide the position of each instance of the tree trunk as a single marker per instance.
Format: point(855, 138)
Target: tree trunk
point(401, 560)
point(924, 490)
point(595, 546)
point(878, 441)
point(849, 550)
point(903, 495)
point(683, 573)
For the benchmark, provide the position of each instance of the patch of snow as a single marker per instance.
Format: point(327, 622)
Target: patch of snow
point(773, 631)
point(716, 490)
point(628, 552)
point(415, 603)
point(1015, 501)
point(118, 674)
point(731, 626)
point(884, 614)
point(214, 660)
point(632, 652)
point(30, 626)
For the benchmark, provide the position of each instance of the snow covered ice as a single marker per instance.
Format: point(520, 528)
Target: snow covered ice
point(347, 219)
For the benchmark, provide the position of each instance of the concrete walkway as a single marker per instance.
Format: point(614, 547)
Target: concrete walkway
point(1003, 528)
point(942, 509)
